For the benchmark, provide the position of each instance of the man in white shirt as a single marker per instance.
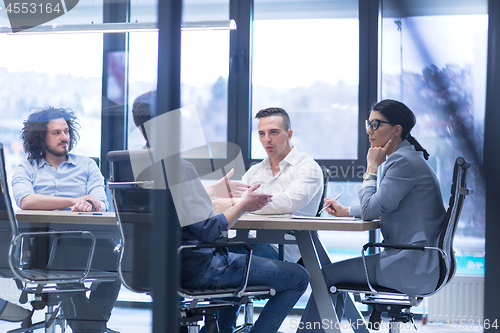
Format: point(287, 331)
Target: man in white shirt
point(293, 178)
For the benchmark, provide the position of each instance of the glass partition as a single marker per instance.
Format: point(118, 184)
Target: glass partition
point(434, 60)
point(99, 75)
point(204, 72)
point(65, 71)
point(305, 59)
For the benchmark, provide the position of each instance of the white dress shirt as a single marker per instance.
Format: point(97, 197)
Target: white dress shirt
point(296, 188)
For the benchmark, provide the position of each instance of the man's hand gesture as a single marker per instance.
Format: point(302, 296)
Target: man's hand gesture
point(225, 188)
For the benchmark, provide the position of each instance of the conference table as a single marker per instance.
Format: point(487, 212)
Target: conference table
point(276, 229)
point(101, 224)
point(273, 229)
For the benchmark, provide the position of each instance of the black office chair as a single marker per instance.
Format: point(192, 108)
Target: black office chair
point(131, 201)
point(96, 160)
point(326, 177)
point(398, 305)
point(50, 285)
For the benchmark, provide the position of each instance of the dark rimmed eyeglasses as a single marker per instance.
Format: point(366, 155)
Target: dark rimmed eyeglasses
point(374, 124)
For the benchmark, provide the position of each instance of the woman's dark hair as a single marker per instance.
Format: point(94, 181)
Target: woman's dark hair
point(34, 131)
point(397, 113)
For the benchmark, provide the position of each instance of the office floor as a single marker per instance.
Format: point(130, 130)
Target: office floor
point(133, 320)
point(138, 320)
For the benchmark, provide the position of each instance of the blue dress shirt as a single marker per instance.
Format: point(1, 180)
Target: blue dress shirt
point(76, 177)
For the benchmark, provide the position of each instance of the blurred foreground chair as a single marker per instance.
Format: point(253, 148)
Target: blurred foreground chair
point(49, 285)
point(131, 201)
point(398, 305)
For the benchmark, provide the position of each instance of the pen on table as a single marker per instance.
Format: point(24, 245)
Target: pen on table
point(323, 209)
point(89, 213)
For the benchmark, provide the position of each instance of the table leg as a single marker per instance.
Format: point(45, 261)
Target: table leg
point(311, 259)
point(354, 316)
point(323, 256)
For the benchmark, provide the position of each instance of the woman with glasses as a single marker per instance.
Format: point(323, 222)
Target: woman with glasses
point(408, 202)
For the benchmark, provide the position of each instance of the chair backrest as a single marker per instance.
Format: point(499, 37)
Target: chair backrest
point(134, 199)
point(9, 229)
point(458, 192)
point(326, 178)
point(96, 160)
point(7, 217)
point(129, 202)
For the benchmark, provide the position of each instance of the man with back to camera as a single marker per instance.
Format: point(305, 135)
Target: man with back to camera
point(208, 268)
point(293, 178)
point(53, 179)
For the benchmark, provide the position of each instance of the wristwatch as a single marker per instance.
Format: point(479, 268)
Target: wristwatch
point(369, 175)
point(91, 204)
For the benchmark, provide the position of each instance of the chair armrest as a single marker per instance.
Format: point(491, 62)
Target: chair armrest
point(398, 247)
point(15, 244)
point(131, 185)
point(248, 259)
point(394, 246)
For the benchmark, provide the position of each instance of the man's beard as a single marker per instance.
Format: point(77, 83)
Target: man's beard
point(57, 153)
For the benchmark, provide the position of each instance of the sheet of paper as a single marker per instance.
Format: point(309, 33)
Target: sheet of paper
point(270, 215)
point(325, 218)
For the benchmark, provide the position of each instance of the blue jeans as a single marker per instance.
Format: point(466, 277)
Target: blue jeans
point(260, 250)
point(226, 270)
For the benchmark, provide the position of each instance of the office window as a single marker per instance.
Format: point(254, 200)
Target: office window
point(434, 60)
point(305, 60)
point(50, 70)
point(204, 74)
point(142, 71)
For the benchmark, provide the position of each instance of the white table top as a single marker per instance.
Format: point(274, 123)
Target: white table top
point(64, 216)
point(274, 222)
point(270, 222)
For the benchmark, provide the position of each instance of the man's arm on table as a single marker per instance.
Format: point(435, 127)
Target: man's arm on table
point(47, 202)
point(26, 198)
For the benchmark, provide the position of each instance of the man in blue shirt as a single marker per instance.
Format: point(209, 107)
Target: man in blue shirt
point(52, 179)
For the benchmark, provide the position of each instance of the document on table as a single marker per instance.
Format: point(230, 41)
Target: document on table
point(270, 215)
point(325, 218)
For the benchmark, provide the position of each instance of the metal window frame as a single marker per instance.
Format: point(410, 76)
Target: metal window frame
point(240, 86)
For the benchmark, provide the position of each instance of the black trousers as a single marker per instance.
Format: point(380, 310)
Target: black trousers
point(89, 314)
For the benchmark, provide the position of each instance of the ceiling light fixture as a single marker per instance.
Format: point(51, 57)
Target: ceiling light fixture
point(117, 27)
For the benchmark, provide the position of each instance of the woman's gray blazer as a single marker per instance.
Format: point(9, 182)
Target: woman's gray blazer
point(409, 204)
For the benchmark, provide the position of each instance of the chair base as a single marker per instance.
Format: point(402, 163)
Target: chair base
point(189, 317)
point(398, 314)
point(52, 318)
point(248, 315)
